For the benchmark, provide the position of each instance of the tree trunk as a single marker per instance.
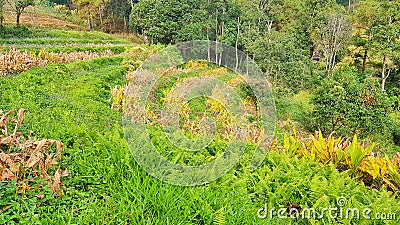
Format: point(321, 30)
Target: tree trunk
point(113, 19)
point(365, 57)
point(384, 76)
point(216, 37)
point(208, 47)
point(270, 23)
point(383, 84)
point(89, 21)
point(101, 15)
point(349, 6)
point(18, 18)
point(126, 24)
point(223, 23)
point(236, 44)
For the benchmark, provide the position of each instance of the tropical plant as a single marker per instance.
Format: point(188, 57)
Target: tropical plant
point(347, 155)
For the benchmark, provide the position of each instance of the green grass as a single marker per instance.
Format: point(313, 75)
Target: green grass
point(20, 36)
point(32, 32)
point(106, 186)
point(60, 41)
point(114, 49)
point(293, 107)
point(97, 49)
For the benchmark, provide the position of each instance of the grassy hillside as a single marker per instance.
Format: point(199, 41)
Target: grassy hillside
point(24, 37)
point(41, 17)
point(79, 104)
point(71, 103)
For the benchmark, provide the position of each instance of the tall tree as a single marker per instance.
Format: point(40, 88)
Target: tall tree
point(385, 46)
point(307, 16)
point(119, 10)
point(379, 22)
point(346, 104)
point(161, 21)
point(332, 37)
point(365, 16)
point(91, 9)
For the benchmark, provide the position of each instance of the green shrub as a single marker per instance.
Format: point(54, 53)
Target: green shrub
point(351, 105)
point(15, 32)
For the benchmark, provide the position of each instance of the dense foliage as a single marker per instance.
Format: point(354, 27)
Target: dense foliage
point(71, 103)
point(348, 104)
point(334, 67)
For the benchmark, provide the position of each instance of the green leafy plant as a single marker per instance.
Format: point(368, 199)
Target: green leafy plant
point(347, 155)
point(220, 217)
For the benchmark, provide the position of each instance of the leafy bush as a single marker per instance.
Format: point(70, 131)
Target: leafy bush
point(15, 32)
point(351, 105)
point(285, 179)
point(137, 55)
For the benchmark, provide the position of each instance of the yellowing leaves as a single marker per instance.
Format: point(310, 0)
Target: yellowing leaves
point(32, 157)
point(15, 61)
point(214, 72)
point(348, 155)
point(117, 96)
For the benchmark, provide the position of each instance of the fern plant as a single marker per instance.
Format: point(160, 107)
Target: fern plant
point(220, 217)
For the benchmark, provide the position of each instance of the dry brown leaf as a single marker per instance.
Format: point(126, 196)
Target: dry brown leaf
point(33, 160)
point(5, 209)
point(33, 155)
point(21, 119)
point(40, 196)
point(16, 61)
point(4, 157)
point(55, 186)
point(396, 160)
point(6, 174)
point(65, 173)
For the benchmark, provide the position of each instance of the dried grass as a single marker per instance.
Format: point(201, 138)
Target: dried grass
point(15, 61)
point(33, 17)
point(21, 156)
